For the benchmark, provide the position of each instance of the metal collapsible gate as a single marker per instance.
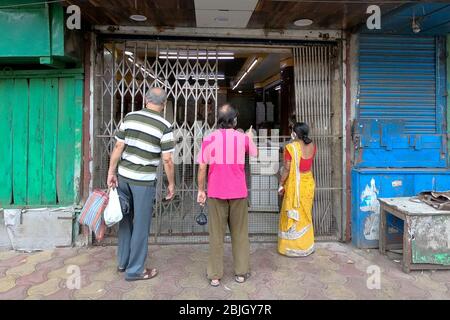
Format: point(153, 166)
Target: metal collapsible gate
point(315, 68)
point(189, 74)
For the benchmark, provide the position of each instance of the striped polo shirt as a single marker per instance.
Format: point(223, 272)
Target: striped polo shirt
point(146, 135)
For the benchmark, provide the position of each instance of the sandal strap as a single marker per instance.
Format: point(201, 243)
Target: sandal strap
point(150, 273)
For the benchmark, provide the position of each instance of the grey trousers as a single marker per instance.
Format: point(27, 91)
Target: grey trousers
point(134, 227)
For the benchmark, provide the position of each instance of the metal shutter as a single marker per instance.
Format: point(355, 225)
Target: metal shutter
point(398, 81)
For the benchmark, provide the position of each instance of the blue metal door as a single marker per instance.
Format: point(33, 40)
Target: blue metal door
point(401, 105)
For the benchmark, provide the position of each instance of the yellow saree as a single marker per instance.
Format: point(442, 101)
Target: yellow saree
point(296, 234)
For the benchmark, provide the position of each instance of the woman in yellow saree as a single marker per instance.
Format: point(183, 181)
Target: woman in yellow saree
point(296, 234)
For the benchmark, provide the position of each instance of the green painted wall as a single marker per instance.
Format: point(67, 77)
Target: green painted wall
point(41, 127)
point(34, 34)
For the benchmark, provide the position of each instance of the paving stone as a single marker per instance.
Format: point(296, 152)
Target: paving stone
point(315, 294)
point(54, 263)
point(339, 292)
point(188, 294)
point(358, 285)
point(138, 293)
point(182, 274)
point(7, 283)
point(78, 260)
point(15, 293)
point(46, 288)
point(39, 256)
point(94, 290)
point(193, 280)
point(265, 293)
point(112, 294)
point(410, 291)
point(35, 297)
point(290, 289)
point(442, 276)
point(424, 281)
point(63, 294)
point(33, 278)
point(60, 273)
point(106, 274)
point(4, 255)
point(331, 277)
point(21, 270)
point(121, 284)
point(13, 261)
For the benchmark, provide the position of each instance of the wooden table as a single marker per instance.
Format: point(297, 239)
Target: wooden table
point(426, 233)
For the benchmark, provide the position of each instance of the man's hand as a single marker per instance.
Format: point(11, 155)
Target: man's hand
point(112, 181)
point(201, 197)
point(170, 192)
point(249, 132)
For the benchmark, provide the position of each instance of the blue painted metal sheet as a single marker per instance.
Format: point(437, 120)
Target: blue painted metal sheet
point(401, 104)
point(368, 185)
point(398, 81)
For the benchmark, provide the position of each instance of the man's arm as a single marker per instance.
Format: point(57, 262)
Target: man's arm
point(115, 157)
point(201, 179)
point(252, 148)
point(169, 168)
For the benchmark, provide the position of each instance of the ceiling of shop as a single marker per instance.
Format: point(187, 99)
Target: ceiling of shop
point(220, 14)
point(257, 14)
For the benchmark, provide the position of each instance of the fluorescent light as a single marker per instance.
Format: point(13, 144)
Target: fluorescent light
point(196, 53)
point(196, 57)
point(246, 72)
point(128, 53)
point(130, 59)
point(138, 17)
point(240, 91)
point(242, 77)
point(303, 22)
point(252, 65)
point(202, 77)
point(277, 88)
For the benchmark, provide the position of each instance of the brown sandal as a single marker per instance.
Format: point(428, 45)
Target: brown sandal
point(146, 275)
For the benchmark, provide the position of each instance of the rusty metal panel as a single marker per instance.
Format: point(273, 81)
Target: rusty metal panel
point(430, 239)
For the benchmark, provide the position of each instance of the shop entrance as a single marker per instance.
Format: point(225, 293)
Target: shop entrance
point(270, 86)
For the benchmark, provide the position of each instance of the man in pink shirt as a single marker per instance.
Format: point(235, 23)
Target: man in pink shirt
point(224, 151)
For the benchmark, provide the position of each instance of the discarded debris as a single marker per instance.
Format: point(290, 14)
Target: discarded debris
point(350, 261)
point(397, 261)
point(226, 288)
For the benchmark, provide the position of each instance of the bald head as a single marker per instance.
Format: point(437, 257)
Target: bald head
point(227, 116)
point(156, 97)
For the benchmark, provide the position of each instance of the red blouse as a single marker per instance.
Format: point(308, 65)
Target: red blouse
point(305, 164)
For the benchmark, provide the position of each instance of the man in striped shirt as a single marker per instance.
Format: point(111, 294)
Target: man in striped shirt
point(142, 138)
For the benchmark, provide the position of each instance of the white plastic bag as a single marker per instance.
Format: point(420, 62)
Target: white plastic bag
point(113, 211)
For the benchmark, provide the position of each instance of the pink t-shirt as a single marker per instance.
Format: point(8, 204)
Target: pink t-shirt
point(224, 151)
